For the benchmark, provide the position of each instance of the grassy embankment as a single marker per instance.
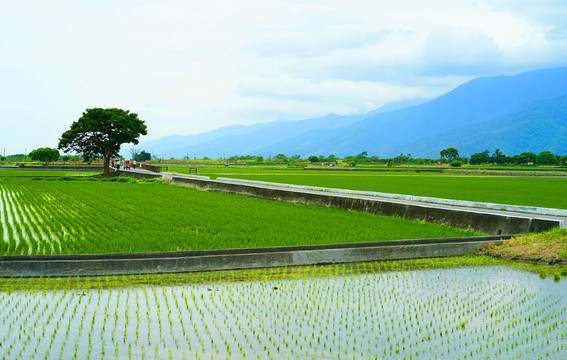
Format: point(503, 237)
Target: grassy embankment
point(547, 248)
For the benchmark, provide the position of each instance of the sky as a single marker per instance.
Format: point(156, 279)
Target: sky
point(186, 67)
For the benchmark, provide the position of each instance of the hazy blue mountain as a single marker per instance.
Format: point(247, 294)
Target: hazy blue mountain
point(388, 131)
point(540, 126)
point(384, 134)
point(176, 143)
point(243, 140)
point(397, 105)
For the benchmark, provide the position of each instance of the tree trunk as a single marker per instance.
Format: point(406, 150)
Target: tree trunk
point(106, 166)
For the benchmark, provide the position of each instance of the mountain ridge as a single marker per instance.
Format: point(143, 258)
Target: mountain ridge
point(389, 132)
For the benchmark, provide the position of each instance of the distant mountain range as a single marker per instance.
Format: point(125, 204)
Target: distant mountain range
point(524, 112)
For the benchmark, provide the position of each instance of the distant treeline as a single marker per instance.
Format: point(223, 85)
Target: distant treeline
point(27, 157)
point(446, 155)
point(449, 155)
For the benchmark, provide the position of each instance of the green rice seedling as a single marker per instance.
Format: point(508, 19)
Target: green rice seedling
point(86, 217)
point(357, 310)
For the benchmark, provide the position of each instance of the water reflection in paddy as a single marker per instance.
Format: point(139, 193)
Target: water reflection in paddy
point(471, 312)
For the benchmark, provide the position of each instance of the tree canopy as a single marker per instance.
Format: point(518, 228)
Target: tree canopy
point(546, 158)
point(450, 153)
point(101, 132)
point(44, 154)
point(142, 156)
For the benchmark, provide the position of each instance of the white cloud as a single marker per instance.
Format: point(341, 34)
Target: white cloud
point(188, 67)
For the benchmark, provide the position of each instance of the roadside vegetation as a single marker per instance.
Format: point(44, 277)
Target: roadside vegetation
point(547, 248)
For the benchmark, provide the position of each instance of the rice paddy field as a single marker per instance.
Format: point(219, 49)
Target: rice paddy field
point(513, 190)
point(71, 215)
point(444, 308)
point(454, 308)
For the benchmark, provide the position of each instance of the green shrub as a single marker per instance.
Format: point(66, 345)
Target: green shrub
point(456, 163)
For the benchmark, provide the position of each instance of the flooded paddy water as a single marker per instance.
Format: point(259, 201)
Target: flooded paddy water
point(456, 313)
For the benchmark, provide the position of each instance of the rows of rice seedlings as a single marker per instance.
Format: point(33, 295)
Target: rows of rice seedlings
point(27, 222)
point(53, 217)
point(21, 224)
point(342, 311)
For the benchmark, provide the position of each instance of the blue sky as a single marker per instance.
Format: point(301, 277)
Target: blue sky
point(186, 67)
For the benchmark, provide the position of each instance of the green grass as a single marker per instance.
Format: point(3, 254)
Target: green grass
point(549, 247)
point(89, 216)
point(529, 191)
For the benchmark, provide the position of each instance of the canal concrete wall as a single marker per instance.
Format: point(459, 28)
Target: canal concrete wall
point(232, 259)
point(425, 199)
point(135, 174)
point(486, 222)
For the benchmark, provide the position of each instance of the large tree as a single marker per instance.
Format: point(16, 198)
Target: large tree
point(498, 157)
point(45, 154)
point(99, 133)
point(546, 158)
point(480, 158)
point(450, 153)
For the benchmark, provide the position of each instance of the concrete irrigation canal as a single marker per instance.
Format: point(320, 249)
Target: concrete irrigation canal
point(231, 259)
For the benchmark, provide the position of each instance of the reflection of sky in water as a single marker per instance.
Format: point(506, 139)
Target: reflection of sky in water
point(493, 311)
